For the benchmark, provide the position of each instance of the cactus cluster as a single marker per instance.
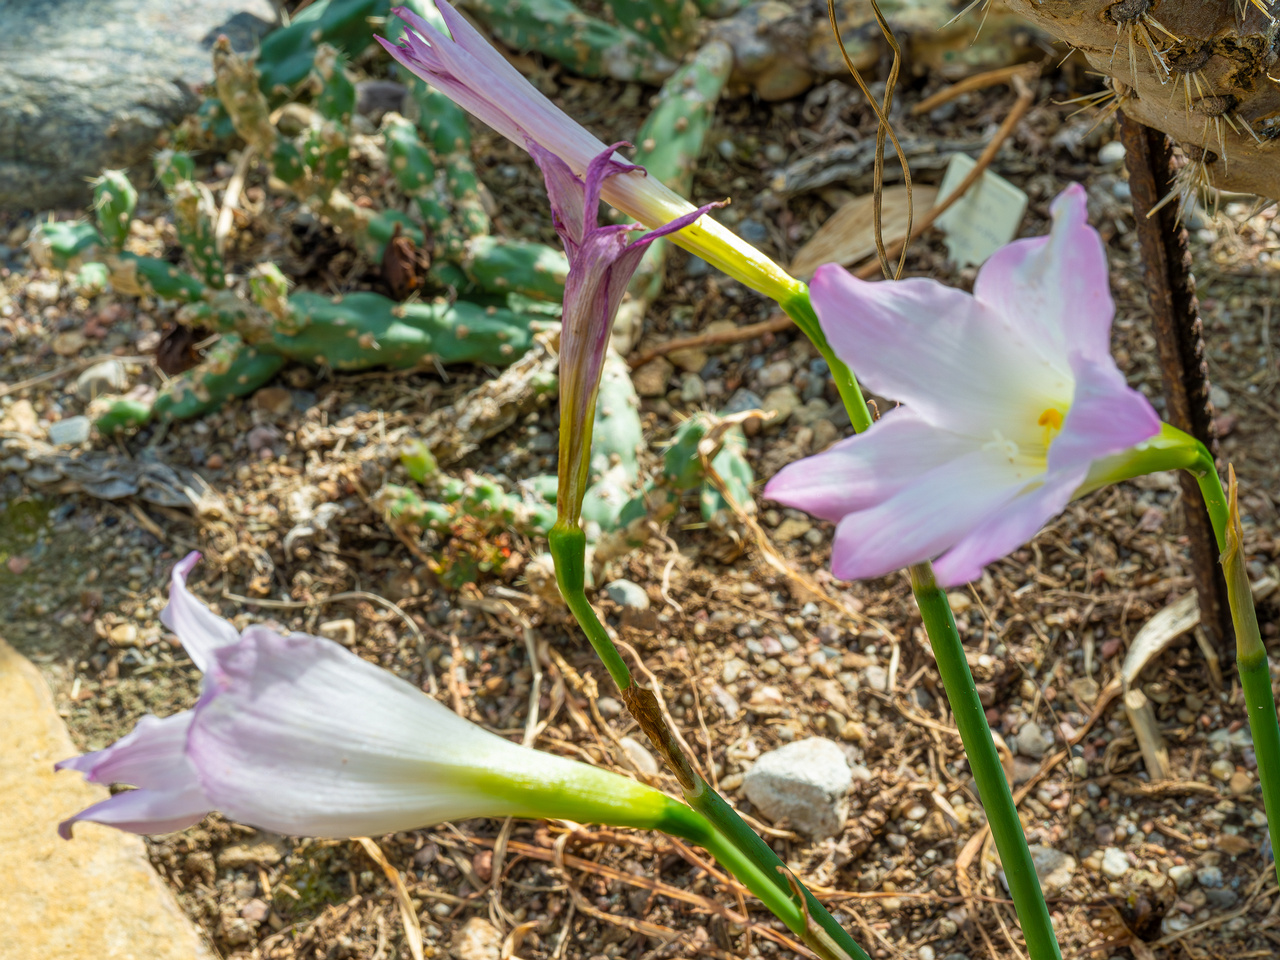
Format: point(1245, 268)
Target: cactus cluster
point(293, 106)
point(619, 511)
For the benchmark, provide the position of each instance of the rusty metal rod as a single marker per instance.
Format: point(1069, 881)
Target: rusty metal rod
point(1175, 317)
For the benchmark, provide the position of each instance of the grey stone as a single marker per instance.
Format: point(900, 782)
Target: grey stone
point(692, 389)
point(804, 783)
point(109, 376)
point(876, 677)
point(1032, 742)
point(627, 594)
point(741, 400)
point(1209, 877)
point(69, 432)
point(1054, 868)
point(1223, 898)
point(89, 85)
point(775, 374)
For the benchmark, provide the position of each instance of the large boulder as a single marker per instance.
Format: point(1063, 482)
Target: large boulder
point(92, 898)
point(88, 85)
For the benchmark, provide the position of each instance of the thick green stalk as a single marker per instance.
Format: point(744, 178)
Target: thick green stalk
point(739, 847)
point(568, 545)
point(767, 882)
point(1251, 657)
point(970, 717)
point(984, 763)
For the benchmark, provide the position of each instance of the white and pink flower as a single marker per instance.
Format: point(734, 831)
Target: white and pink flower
point(1009, 396)
point(298, 735)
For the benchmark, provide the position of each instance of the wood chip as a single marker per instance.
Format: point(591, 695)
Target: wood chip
point(849, 236)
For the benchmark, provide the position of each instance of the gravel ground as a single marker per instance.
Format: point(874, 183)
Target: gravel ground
point(751, 653)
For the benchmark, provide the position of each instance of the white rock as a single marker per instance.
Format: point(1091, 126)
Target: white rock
point(626, 593)
point(1032, 742)
point(805, 783)
point(1111, 153)
point(640, 756)
point(477, 939)
point(69, 432)
point(1182, 875)
point(1114, 863)
point(109, 376)
point(1054, 868)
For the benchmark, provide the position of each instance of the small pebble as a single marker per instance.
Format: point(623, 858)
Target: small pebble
point(1114, 863)
point(1182, 875)
point(1222, 769)
point(627, 594)
point(1209, 876)
point(69, 432)
point(1111, 153)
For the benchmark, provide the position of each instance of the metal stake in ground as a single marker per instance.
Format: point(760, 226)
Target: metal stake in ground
point(1175, 315)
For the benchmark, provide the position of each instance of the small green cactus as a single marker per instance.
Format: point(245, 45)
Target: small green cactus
point(114, 200)
point(587, 45)
point(287, 55)
point(64, 244)
point(195, 215)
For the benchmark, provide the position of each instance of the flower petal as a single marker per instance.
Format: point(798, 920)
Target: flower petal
point(153, 759)
point(1106, 416)
point(565, 191)
point(143, 811)
point(939, 351)
point(1056, 288)
point(864, 470)
point(479, 79)
point(296, 734)
point(199, 629)
point(925, 518)
point(1007, 528)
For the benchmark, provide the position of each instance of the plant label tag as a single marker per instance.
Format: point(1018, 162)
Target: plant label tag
point(984, 219)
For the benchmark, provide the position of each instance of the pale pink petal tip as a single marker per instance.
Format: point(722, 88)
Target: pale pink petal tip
point(199, 629)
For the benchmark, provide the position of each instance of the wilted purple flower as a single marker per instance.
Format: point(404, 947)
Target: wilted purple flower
point(1011, 395)
point(297, 735)
point(479, 79)
point(602, 260)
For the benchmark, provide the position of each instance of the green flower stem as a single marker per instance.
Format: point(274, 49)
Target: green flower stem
point(739, 848)
point(970, 718)
point(1251, 653)
point(568, 546)
point(984, 762)
point(799, 308)
point(760, 874)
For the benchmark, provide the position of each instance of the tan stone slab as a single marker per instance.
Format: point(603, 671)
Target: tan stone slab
point(93, 898)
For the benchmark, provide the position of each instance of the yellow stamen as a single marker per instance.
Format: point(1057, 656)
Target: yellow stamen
point(1051, 420)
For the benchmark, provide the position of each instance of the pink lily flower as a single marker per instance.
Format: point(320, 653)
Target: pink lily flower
point(479, 79)
point(602, 260)
point(1010, 395)
point(296, 734)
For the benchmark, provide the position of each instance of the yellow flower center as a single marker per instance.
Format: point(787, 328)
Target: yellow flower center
point(1051, 420)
